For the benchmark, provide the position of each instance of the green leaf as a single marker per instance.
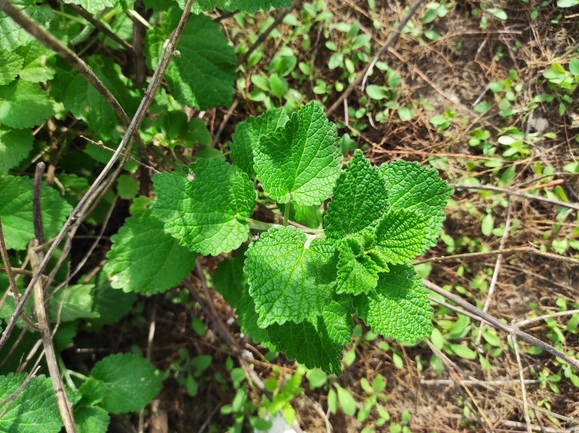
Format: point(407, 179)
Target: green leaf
point(91, 419)
point(33, 408)
point(93, 6)
point(301, 161)
point(574, 66)
point(10, 66)
point(346, 400)
point(15, 145)
point(24, 104)
point(131, 382)
point(250, 6)
point(318, 341)
point(229, 279)
point(127, 186)
point(71, 303)
point(110, 304)
point(247, 318)
point(146, 259)
point(12, 35)
point(463, 351)
point(248, 134)
point(399, 307)
point(290, 278)
point(360, 199)
point(203, 74)
point(358, 264)
point(16, 210)
point(38, 63)
point(401, 235)
point(208, 214)
point(413, 187)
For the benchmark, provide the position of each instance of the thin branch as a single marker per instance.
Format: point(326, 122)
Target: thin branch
point(361, 77)
point(496, 272)
point(390, 41)
point(568, 260)
point(224, 122)
point(522, 382)
point(89, 196)
point(481, 315)
point(64, 405)
point(546, 316)
point(100, 26)
point(36, 213)
point(516, 194)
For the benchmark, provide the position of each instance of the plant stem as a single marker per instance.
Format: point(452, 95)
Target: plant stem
point(286, 212)
point(260, 225)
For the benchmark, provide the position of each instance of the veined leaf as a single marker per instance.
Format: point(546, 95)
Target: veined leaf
point(24, 104)
point(15, 145)
point(401, 235)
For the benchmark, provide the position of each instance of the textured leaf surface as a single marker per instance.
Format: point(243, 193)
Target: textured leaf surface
point(10, 65)
point(35, 406)
point(359, 264)
point(360, 199)
point(232, 5)
point(15, 145)
point(289, 280)
point(146, 259)
point(203, 74)
point(228, 278)
point(401, 235)
point(301, 160)
point(248, 134)
point(71, 303)
point(417, 188)
point(91, 419)
point(24, 104)
point(130, 380)
point(399, 307)
point(16, 210)
point(93, 6)
point(319, 341)
point(209, 213)
point(38, 63)
point(12, 35)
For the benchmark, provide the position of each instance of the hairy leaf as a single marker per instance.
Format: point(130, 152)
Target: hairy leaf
point(24, 104)
point(12, 35)
point(93, 6)
point(34, 406)
point(91, 419)
point(130, 380)
point(401, 235)
point(360, 199)
point(248, 134)
point(38, 63)
point(399, 307)
point(71, 303)
point(146, 259)
point(289, 279)
point(207, 209)
point(413, 187)
point(15, 145)
point(10, 66)
point(301, 161)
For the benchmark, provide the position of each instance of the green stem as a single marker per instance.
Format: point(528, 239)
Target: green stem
point(286, 212)
point(260, 225)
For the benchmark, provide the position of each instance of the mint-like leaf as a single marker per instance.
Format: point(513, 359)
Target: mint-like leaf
point(248, 134)
point(413, 187)
point(401, 235)
point(146, 259)
point(249, 6)
point(301, 161)
point(34, 407)
point(91, 419)
point(288, 279)
point(208, 210)
point(24, 104)
point(319, 341)
point(12, 35)
point(10, 66)
point(228, 278)
point(93, 6)
point(359, 264)
point(203, 74)
point(16, 210)
point(71, 303)
point(399, 307)
point(38, 63)
point(15, 145)
point(360, 199)
point(130, 380)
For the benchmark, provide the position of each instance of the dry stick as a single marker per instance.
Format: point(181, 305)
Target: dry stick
point(151, 337)
point(64, 405)
point(472, 382)
point(568, 260)
point(263, 36)
point(390, 41)
point(496, 271)
point(367, 69)
point(515, 193)
point(481, 315)
point(224, 122)
point(450, 366)
point(522, 382)
point(546, 316)
point(89, 196)
point(100, 26)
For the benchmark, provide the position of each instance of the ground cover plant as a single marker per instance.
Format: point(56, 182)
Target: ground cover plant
point(160, 158)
